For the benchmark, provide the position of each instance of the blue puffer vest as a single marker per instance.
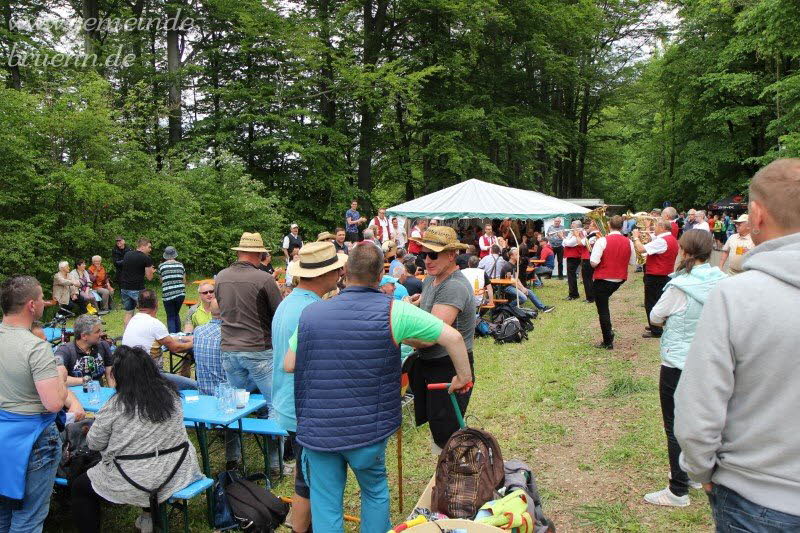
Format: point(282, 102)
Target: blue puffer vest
point(347, 372)
point(681, 327)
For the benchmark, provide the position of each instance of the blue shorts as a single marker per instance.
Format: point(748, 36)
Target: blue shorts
point(129, 299)
point(300, 485)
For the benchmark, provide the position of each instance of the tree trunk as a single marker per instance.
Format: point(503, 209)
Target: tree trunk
point(173, 67)
point(14, 80)
point(91, 45)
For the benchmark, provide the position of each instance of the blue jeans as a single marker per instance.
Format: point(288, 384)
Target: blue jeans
point(42, 466)
point(173, 309)
point(245, 368)
point(183, 383)
point(523, 297)
point(327, 474)
point(733, 513)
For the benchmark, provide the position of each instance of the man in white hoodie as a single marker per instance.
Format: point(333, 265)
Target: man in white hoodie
point(736, 415)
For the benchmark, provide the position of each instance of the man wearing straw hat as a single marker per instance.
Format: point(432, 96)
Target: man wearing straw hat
point(448, 295)
point(345, 355)
point(248, 298)
point(318, 268)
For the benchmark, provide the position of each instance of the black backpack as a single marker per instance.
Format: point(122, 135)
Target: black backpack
point(76, 457)
point(510, 330)
point(525, 315)
point(255, 508)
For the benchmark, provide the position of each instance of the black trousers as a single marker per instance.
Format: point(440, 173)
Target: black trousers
point(653, 289)
point(85, 505)
point(434, 406)
point(667, 383)
point(603, 289)
point(572, 276)
point(588, 285)
point(559, 253)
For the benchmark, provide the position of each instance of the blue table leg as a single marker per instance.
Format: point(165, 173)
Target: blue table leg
point(202, 440)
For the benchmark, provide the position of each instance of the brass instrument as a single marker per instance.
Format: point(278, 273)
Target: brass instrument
point(599, 216)
point(645, 223)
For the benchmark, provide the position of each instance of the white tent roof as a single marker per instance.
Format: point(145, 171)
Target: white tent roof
point(478, 199)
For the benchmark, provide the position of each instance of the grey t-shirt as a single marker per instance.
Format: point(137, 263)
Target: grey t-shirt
point(456, 292)
point(24, 360)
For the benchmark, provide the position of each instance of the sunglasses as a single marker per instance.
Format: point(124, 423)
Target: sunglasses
point(207, 292)
point(432, 255)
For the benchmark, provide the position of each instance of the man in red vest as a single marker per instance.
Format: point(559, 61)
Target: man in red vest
point(610, 258)
point(575, 246)
point(661, 252)
point(486, 241)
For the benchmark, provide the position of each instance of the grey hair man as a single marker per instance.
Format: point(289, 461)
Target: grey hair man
point(87, 355)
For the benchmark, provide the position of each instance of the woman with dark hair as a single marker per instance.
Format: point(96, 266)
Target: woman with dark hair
point(140, 435)
point(680, 306)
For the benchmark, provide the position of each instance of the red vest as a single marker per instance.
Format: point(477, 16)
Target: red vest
point(663, 264)
point(576, 252)
point(485, 240)
point(616, 256)
point(674, 229)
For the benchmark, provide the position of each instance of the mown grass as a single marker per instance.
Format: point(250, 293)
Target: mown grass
point(530, 396)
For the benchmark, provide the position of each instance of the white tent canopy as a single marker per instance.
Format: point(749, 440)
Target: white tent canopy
point(478, 199)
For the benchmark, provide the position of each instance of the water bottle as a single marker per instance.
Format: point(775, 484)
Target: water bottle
point(94, 393)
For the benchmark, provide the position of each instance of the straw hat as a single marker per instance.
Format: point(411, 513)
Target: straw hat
point(326, 236)
point(315, 259)
point(440, 239)
point(742, 218)
point(389, 249)
point(250, 242)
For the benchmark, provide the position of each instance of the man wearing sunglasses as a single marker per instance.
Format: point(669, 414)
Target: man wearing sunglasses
point(200, 313)
point(448, 295)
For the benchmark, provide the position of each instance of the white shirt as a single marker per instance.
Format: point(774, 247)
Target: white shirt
point(416, 233)
point(286, 241)
point(386, 234)
point(600, 247)
point(492, 265)
point(399, 236)
point(703, 226)
point(570, 241)
point(672, 301)
point(144, 331)
point(657, 245)
point(486, 242)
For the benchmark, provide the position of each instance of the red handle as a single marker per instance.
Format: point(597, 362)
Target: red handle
point(444, 386)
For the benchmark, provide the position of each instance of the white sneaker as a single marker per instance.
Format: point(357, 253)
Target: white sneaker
point(666, 498)
point(695, 485)
point(144, 523)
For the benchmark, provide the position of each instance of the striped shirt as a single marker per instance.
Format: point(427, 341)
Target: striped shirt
point(208, 356)
point(172, 273)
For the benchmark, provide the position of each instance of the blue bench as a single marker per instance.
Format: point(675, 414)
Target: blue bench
point(178, 500)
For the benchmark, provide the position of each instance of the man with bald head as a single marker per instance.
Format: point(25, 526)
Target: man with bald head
point(661, 252)
point(736, 402)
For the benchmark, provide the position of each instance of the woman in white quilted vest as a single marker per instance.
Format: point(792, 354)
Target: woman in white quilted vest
point(679, 307)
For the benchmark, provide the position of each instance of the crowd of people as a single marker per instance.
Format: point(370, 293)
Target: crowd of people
point(323, 341)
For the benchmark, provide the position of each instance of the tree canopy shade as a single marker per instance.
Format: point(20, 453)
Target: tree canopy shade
point(477, 199)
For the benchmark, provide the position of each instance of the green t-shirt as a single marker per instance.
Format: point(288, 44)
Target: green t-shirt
point(200, 316)
point(24, 360)
point(408, 322)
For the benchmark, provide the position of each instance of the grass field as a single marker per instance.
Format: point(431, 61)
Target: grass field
point(586, 420)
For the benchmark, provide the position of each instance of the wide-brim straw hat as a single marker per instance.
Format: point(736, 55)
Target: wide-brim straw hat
point(250, 242)
point(316, 259)
point(440, 239)
point(389, 249)
point(742, 218)
point(326, 236)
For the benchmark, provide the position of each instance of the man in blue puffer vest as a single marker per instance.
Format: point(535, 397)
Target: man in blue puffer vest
point(345, 356)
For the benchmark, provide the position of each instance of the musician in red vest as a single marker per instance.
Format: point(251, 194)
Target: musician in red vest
point(575, 247)
point(670, 214)
point(486, 241)
point(610, 258)
point(661, 252)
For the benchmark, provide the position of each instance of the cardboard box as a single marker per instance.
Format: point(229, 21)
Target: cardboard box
point(451, 523)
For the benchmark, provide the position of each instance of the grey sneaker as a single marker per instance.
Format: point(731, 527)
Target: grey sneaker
point(666, 498)
point(144, 523)
point(695, 485)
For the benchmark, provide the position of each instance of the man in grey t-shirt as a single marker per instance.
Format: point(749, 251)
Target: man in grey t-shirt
point(446, 294)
